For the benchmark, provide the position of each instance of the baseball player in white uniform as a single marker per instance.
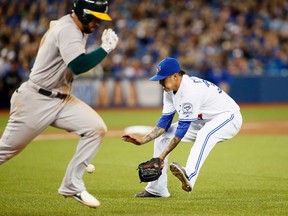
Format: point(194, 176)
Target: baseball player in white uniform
point(207, 116)
point(45, 99)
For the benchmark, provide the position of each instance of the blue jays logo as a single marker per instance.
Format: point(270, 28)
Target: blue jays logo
point(158, 68)
point(187, 108)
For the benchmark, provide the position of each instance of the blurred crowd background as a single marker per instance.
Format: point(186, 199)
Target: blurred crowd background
point(213, 39)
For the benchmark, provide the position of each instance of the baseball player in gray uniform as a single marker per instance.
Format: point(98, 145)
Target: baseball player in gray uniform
point(206, 116)
point(45, 99)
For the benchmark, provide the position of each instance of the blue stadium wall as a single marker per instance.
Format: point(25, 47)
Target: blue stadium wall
point(243, 90)
point(259, 89)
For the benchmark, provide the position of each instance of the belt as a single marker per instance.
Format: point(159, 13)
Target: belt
point(45, 92)
point(49, 93)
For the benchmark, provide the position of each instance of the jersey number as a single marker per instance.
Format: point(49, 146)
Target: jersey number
point(207, 83)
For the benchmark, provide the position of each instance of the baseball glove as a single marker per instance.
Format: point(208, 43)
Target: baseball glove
point(150, 170)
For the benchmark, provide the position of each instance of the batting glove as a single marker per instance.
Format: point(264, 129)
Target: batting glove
point(109, 40)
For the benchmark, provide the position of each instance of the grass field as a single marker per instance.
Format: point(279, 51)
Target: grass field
point(246, 175)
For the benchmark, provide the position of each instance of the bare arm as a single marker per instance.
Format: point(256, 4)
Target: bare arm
point(172, 144)
point(156, 132)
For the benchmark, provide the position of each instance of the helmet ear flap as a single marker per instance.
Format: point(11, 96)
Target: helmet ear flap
point(86, 18)
point(79, 10)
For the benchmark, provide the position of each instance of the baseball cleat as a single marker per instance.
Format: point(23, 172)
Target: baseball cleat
point(178, 171)
point(145, 193)
point(86, 199)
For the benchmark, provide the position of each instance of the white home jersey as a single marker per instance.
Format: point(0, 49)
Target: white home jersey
point(198, 99)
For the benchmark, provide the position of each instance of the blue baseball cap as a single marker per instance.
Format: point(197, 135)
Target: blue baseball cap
point(166, 68)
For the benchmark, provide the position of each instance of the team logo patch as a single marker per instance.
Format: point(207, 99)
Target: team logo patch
point(187, 108)
point(158, 68)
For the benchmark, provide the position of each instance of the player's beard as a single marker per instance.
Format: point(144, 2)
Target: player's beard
point(91, 26)
point(87, 29)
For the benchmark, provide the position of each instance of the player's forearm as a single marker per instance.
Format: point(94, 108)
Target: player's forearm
point(86, 62)
point(156, 132)
point(173, 143)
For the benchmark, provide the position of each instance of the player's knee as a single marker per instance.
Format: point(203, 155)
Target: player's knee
point(96, 130)
point(102, 130)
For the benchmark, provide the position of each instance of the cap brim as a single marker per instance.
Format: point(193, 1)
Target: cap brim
point(102, 16)
point(157, 77)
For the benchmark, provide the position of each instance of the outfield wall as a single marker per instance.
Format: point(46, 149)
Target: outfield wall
point(149, 94)
point(260, 89)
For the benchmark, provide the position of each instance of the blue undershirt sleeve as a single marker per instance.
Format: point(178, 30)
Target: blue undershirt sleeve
point(182, 128)
point(165, 121)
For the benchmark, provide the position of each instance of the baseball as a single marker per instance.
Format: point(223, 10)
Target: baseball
point(90, 168)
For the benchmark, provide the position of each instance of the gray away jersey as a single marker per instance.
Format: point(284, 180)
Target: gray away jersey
point(62, 43)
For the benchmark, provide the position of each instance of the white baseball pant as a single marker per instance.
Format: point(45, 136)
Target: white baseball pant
point(205, 136)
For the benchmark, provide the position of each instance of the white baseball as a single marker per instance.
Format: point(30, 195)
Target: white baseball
point(90, 168)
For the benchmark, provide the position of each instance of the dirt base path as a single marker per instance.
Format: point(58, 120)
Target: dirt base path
point(248, 128)
point(265, 127)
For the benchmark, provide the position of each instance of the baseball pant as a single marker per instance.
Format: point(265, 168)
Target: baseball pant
point(31, 113)
point(205, 136)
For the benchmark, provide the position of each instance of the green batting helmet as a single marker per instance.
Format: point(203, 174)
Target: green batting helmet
point(86, 9)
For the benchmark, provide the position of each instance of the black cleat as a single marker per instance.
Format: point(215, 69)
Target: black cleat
point(145, 193)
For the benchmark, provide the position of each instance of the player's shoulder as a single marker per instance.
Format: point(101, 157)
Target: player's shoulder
point(188, 81)
point(67, 19)
point(194, 79)
point(65, 27)
point(64, 23)
point(190, 86)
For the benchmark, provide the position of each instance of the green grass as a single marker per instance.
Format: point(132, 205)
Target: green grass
point(262, 113)
point(246, 175)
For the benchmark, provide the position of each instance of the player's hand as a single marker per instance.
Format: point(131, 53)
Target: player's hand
point(133, 139)
point(109, 40)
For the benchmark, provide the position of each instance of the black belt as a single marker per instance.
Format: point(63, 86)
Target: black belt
point(49, 93)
